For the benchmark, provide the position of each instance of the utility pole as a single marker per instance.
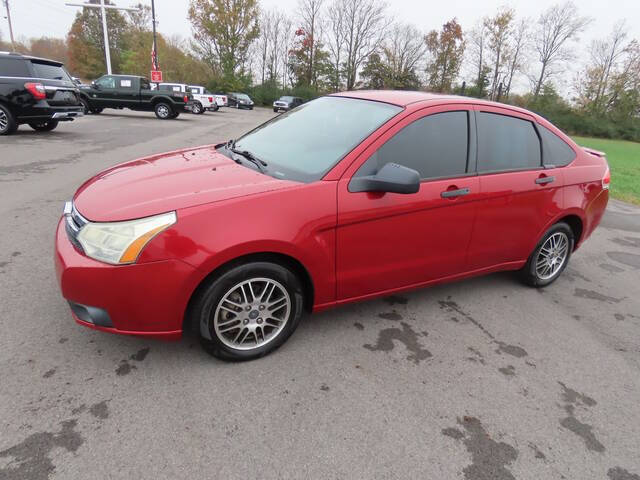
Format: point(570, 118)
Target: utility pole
point(103, 8)
point(156, 65)
point(13, 43)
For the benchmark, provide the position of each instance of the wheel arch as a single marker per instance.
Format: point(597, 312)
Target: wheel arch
point(574, 218)
point(285, 260)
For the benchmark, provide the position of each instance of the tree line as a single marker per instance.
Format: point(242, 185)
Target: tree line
point(332, 45)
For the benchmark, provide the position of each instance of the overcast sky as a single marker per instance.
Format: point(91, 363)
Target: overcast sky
point(34, 18)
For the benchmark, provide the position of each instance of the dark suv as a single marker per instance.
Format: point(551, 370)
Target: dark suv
point(36, 91)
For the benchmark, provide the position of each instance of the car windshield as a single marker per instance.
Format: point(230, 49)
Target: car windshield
point(286, 99)
point(49, 71)
point(304, 144)
point(242, 96)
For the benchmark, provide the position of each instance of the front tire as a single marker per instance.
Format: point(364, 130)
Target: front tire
point(44, 126)
point(249, 311)
point(8, 123)
point(550, 257)
point(163, 111)
point(197, 108)
point(85, 106)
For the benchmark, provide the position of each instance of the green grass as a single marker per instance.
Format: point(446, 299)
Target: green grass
point(624, 161)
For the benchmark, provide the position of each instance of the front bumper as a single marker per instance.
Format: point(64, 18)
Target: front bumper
point(147, 299)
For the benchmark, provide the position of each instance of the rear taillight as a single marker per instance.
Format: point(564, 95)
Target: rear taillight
point(37, 90)
point(186, 99)
point(210, 99)
point(606, 180)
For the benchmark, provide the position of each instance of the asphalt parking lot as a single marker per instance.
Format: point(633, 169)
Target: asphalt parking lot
point(482, 379)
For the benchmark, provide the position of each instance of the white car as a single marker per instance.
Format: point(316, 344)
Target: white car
point(202, 100)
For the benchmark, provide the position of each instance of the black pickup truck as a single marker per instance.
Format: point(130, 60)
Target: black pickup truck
point(134, 93)
point(35, 91)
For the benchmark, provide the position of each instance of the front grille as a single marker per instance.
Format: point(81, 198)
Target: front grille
point(73, 224)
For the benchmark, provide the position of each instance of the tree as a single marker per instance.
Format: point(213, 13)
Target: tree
point(86, 42)
point(375, 73)
point(227, 28)
point(299, 60)
point(447, 50)
point(518, 50)
point(53, 48)
point(336, 44)
point(363, 28)
point(555, 27)
point(594, 81)
point(498, 30)
point(309, 12)
point(477, 60)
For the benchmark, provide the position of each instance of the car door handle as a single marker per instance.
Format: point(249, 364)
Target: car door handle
point(543, 180)
point(454, 193)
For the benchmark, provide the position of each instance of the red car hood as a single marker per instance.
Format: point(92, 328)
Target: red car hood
point(166, 182)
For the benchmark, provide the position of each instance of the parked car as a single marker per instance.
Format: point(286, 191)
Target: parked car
point(286, 103)
point(35, 91)
point(199, 103)
point(400, 190)
point(134, 93)
point(205, 98)
point(239, 100)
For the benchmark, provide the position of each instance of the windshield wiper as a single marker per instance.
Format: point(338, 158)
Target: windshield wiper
point(261, 164)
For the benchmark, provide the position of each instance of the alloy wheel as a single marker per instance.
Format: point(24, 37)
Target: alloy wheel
point(252, 313)
point(552, 255)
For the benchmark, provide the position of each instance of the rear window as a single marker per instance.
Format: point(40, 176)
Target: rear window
point(49, 71)
point(555, 151)
point(506, 143)
point(10, 67)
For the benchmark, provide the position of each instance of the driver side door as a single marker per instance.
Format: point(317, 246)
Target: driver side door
point(103, 92)
point(387, 241)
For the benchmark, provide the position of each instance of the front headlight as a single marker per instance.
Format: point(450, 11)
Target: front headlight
point(121, 242)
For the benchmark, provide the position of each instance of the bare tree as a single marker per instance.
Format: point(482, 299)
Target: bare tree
point(476, 53)
point(518, 50)
point(336, 42)
point(363, 29)
point(263, 42)
point(498, 29)
point(593, 83)
point(309, 12)
point(555, 27)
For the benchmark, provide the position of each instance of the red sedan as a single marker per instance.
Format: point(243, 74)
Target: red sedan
point(348, 197)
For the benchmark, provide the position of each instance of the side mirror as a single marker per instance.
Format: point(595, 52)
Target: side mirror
point(392, 178)
point(95, 85)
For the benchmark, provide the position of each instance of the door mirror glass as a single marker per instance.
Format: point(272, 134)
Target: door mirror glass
point(95, 85)
point(391, 178)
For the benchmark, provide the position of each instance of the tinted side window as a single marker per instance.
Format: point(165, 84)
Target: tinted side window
point(555, 151)
point(10, 67)
point(506, 143)
point(144, 84)
point(435, 146)
point(106, 82)
point(125, 83)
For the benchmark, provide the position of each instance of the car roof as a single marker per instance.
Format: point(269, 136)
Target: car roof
point(403, 98)
point(29, 57)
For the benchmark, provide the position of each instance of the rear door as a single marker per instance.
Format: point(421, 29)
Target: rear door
point(389, 240)
point(126, 91)
point(519, 195)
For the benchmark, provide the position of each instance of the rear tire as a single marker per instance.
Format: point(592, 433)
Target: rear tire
point(44, 126)
point(8, 123)
point(197, 108)
point(248, 311)
point(85, 106)
point(550, 257)
point(163, 111)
